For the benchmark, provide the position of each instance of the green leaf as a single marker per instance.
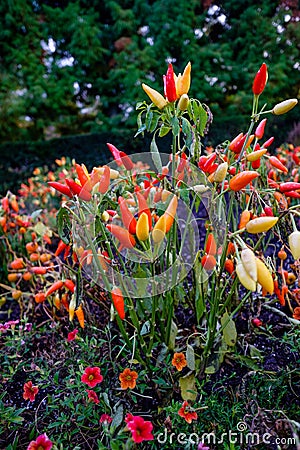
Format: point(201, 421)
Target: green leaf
point(164, 130)
point(64, 225)
point(229, 330)
point(188, 387)
point(173, 334)
point(155, 155)
point(175, 126)
point(190, 357)
point(118, 416)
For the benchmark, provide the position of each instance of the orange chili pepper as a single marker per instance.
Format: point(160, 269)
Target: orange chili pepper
point(118, 302)
point(244, 219)
point(170, 213)
point(123, 235)
point(104, 180)
point(80, 315)
point(54, 287)
point(143, 207)
point(241, 180)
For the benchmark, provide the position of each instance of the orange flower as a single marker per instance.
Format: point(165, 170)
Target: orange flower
point(296, 314)
point(128, 379)
point(179, 361)
point(187, 412)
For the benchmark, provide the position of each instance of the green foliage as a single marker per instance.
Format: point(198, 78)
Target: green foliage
point(76, 68)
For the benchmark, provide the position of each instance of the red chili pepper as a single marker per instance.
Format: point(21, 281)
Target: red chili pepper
point(38, 270)
point(255, 164)
point(209, 162)
point(268, 211)
point(241, 180)
point(82, 176)
point(235, 142)
point(75, 187)
point(211, 246)
point(182, 163)
point(116, 153)
point(239, 145)
point(125, 238)
point(143, 207)
point(259, 132)
point(268, 142)
point(60, 248)
point(118, 302)
point(70, 285)
point(276, 163)
point(62, 188)
point(104, 180)
point(55, 287)
point(5, 204)
point(292, 194)
point(128, 164)
point(289, 186)
point(170, 86)
point(273, 184)
point(260, 80)
point(127, 217)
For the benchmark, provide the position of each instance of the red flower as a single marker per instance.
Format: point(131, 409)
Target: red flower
point(30, 391)
point(141, 429)
point(187, 412)
point(93, 397)
point(72, 335)
point(92, 376)
point(105, 418)
point(42, 443)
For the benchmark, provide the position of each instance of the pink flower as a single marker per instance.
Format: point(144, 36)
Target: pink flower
point(202, 447)
point(93, 397)
point(30, 391)
point(42, 443)
point(140, 428)
point(92, 376)
point(72, 335)
point(105, 418)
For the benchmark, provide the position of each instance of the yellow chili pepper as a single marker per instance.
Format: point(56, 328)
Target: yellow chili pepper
point(221, 172)
point(244, 277)
point(155, 96)
point(159, 231)
point(72, 307)
point(285, 106)
point(264, 277)
point(294, 243)
point(249, 262)
point(261, 224)
point(142, 227)
point(183, 81)
point(254, 156)
point(183, 102)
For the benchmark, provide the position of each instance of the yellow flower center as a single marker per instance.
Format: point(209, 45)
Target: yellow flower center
point(91, 377)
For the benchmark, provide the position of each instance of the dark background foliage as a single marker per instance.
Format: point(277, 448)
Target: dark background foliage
point(72, 68)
